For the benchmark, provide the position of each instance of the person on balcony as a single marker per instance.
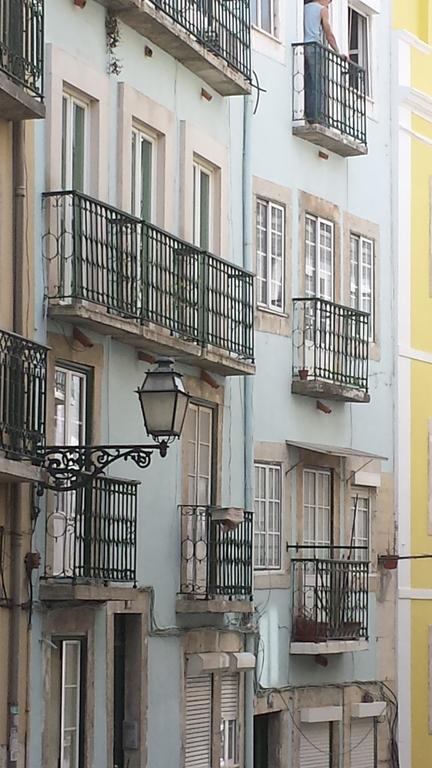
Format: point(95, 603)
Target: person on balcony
point(317, 30)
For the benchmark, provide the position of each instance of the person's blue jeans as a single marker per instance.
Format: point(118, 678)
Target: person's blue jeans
point(314, 83)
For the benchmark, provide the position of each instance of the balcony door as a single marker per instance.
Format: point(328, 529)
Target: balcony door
point(317, 540)
point(319, 332)
point(199, 454)
point(70, 417)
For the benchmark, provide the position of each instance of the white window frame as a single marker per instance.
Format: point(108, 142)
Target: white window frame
point(357, 304)
point(199, 408)
point(271, 257)
point(71, 100)
point(64, 644)
point(69, 373)
point(151, 137)
point(200, 167)
point(274, 8)
point(229, 757)
point(319, 222)
point(268, 467)
point(367, 28)
point(364, 496)
point(319, 543)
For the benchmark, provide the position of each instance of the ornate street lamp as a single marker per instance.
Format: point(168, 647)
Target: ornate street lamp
point(164, 403)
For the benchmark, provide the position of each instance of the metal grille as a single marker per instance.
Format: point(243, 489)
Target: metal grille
point(23, 368)
point(329, 91)
point(330, 597)
point(91, 533)
point(135, 270)
point(222, 27)
point(330, 342)
point(22, 43)
point(215, 560)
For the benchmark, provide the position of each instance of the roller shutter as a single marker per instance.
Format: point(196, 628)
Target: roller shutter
point(229, 697)
point(362, 743)
point(198, 722)
point(315, 745)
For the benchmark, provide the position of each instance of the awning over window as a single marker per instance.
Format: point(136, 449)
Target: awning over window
point(331, 450)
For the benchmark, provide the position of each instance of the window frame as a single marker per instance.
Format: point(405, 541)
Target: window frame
point(319, 221)
point(363, 494)
point(352, 8)
point(361, 239)
point(67, 136)
point(273, 12)
point(308, 542)
point(59, 642)
point(152, 138)
point(85, 375)
point(270, 205)
point(200, 167)
point(267, 466)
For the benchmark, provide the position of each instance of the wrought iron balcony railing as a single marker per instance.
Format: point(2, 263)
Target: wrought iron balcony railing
point(222, 27)
point(91, 532)
point(22, 43)
point(330, 595)
point(216, 558)
point(330, 342)
point(135, 270)
point(23, 368)
point(329, 91)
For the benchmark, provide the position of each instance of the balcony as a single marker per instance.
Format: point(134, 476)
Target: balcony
point(23, 369)
point(21, 59)
point(329, 100)
point(209, 37)
point(330, 597)
point(216, 560)
point(141, 285)
point(330, 351)
point(90, 541)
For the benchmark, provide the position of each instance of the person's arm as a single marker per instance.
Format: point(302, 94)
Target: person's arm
point(325, 21)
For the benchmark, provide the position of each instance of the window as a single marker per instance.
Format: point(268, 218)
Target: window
point(72, 704)
point(198, 435)
point(267, 518)
point(319, 258)
point(317, 509)
point(202, 206)
point(358, 42)
point(70, 421)
point(70, 406)
point(263, 15)
point(229, 721)
point(201, 723)
point(362, 276)
point(360, 524)
point(75, 118)
point(143, 175)
point(270, 239)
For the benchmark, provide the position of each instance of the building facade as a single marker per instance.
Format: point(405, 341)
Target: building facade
point(413, 148)
point(209, 188)
point(324, 473)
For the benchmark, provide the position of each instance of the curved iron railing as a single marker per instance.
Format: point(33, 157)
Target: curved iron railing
point(328, 90)
point(330, 342)
point(136, 270)
point(23, 371)
point(216, 560)
point(91, 532)
point(22, 43)
point(330, 595)
point(222, 26)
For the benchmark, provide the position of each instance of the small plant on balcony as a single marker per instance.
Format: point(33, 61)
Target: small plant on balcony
point(113, 37)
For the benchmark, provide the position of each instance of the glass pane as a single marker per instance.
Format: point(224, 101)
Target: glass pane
point(266, 15)
point(59, 407)
point(64, 141)
point(70, 749)
point(310, 255)
point(133, 172)
point(78, 147)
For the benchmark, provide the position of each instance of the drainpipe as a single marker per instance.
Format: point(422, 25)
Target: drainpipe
point(16, 647)
point(248, 402)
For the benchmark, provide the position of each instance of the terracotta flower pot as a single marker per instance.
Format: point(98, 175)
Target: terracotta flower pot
point(303, 373)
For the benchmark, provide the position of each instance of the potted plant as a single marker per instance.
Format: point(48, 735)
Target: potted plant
point(303, 373)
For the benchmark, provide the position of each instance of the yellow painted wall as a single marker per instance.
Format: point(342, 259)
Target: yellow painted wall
point(421, 618)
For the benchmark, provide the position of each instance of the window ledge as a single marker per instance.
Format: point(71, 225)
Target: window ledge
point(267, 35)
point(328, 647)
